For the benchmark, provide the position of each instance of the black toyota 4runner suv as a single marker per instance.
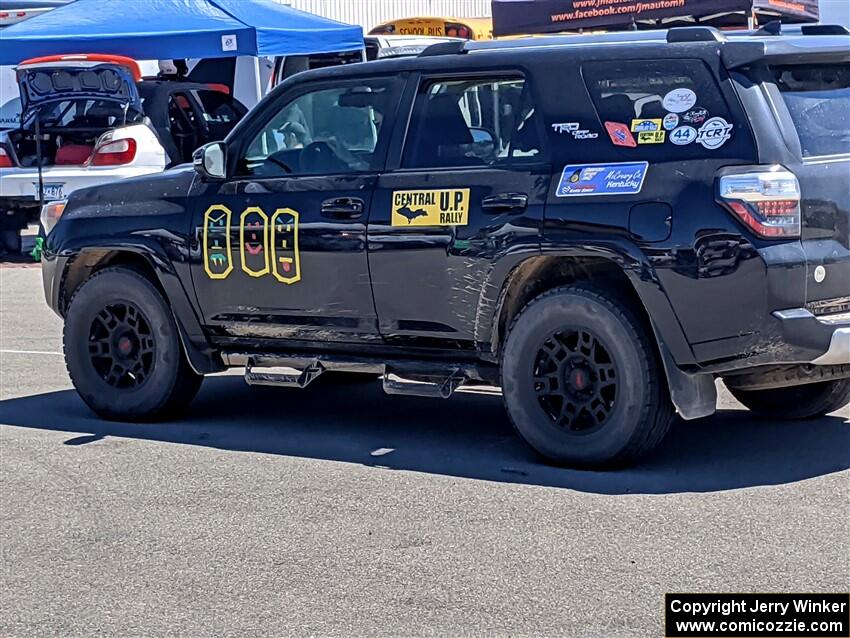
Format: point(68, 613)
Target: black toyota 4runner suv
point(602, 226)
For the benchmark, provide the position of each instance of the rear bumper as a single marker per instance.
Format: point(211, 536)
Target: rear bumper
point(826, 339)
point(839, 349)
point(22, 183)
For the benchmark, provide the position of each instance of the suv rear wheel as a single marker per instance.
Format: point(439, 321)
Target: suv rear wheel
point(123, 351)
point(581, 381)
point(797, 402)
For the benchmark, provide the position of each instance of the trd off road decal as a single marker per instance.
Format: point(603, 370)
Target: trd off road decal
point(431, 208)
point(253, 241)
point(286, 261)
point(267, 246)
point(218, 256)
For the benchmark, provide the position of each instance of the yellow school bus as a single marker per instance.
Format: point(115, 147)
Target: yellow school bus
point(466, 28)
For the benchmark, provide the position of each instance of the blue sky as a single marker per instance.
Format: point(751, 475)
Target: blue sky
point(835, 11)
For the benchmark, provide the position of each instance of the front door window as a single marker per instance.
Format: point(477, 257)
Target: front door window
point(331, 131)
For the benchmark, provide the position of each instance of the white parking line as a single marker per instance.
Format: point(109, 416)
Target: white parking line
point(37, 352)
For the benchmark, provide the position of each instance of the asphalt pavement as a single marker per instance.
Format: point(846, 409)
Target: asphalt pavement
point(338, 511)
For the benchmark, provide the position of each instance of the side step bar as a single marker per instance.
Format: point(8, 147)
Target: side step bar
point(400, 377)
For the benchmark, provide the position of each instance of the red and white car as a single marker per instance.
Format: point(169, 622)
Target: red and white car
point(87, 120)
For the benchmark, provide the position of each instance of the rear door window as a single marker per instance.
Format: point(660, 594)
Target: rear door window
point(818, 99)
point(468, 123)
point(665, 110)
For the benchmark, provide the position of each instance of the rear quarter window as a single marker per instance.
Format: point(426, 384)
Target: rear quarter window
point(818, 99)
point(665, 110)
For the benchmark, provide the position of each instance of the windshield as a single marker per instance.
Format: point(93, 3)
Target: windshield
point(818, 98)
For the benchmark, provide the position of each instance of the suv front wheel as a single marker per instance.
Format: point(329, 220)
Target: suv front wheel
point(581, 380)
point(123, 351)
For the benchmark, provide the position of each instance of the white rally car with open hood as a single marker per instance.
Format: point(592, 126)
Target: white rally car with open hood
point(88, 120)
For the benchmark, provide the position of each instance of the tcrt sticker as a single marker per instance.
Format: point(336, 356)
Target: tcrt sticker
point(642, 126)
point(683, 135)
point(714, 133)
point(582, 180)
point(680, 100)
point(431, 208)
point(620, 134)
point(652, 137)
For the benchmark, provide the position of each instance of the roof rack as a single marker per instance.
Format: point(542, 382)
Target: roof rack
point(444, 48)
point(694, 34)
point(824, 29)
point(774, 27)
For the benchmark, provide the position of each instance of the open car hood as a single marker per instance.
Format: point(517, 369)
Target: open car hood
point(41, 85)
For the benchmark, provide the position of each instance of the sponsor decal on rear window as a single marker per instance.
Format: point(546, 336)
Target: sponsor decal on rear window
point(680, 100)
point(715, 133)
point(683, 135)
point(652, 137)
point(620, 134)
point(642, 126)
point(582, 180)
point(695, 116)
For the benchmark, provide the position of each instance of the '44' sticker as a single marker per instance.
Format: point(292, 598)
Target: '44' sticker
point(683, 135)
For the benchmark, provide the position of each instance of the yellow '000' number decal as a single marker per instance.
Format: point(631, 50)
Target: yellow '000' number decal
point(286, 260)
point(218, 256)
point(254, 242)
point(267, 246)
point(431, 208)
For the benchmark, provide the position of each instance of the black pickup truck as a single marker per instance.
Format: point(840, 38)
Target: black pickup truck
point(602, 226)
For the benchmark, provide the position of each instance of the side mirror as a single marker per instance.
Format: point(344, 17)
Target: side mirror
point(482, 136)
point(211, 161)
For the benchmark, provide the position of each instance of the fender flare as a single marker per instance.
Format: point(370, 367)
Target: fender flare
point(200, 354)
point(693, 394)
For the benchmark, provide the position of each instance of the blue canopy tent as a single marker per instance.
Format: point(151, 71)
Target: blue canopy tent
point(170, 29)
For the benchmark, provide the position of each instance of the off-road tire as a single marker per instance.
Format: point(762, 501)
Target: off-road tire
point(639, 415)
point(799, 402)
point(164, 383)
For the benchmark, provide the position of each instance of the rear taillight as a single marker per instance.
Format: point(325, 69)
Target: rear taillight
point(765, 201)
point(115, 153)
point(5, 160)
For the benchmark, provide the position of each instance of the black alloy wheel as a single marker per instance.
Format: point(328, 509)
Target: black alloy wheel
point(582, 381)
point(122, 346)
point(576, 381)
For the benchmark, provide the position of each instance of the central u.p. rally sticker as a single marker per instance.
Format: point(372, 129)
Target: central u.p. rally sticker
point(449, 207)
